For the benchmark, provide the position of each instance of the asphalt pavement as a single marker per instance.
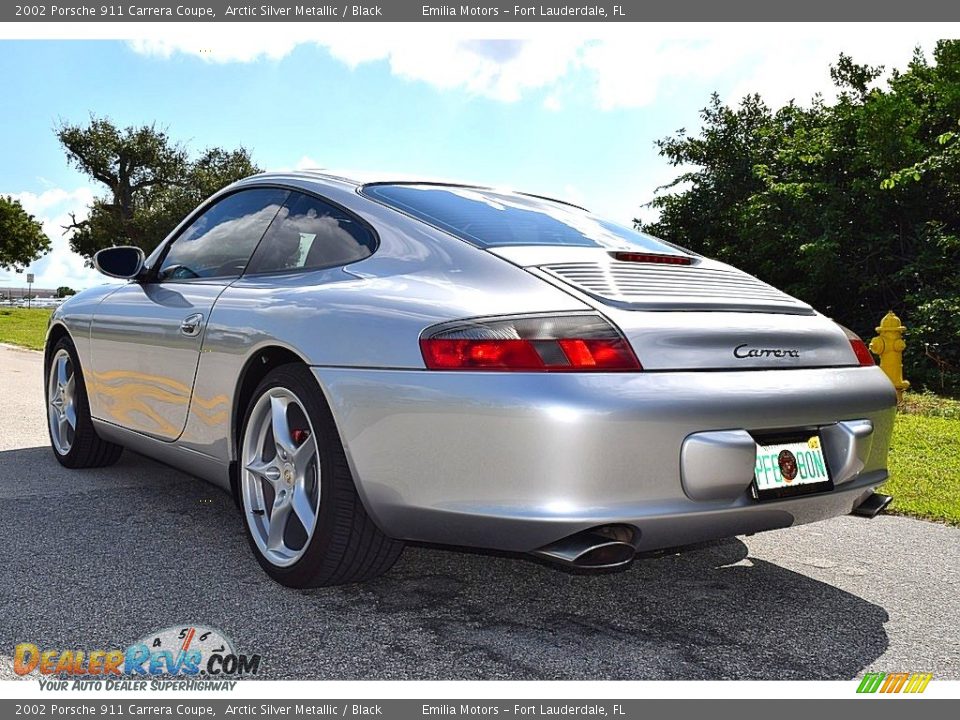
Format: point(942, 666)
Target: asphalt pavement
point(99, 558)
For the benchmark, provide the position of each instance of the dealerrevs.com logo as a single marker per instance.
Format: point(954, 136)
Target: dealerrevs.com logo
point(188, 651)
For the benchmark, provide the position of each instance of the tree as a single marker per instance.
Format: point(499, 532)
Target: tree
point(151, 181)
point(22, 239)
point(853, 206)
point(64, 291)
point(166, 206)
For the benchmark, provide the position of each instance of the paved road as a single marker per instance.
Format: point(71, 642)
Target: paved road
point(100, 558)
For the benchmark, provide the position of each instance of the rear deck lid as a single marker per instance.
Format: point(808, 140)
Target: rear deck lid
point(704, 284)
point(702, 316)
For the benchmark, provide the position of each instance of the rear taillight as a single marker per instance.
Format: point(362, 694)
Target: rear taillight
point(556, 343)
point(862, 352)
point(860, 349)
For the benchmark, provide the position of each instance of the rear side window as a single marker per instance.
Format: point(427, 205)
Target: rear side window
point(309, 234)
point(218, 243)
point(488, 219)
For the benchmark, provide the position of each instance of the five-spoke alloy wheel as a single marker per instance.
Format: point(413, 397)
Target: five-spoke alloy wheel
point(304, 518)
point(74, 440)
point(280, 467)
point(61, 403)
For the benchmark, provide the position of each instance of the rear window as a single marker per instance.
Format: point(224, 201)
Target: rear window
point(489, 219)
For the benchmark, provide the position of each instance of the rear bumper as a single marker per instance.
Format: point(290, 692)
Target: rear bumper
point(517, 461)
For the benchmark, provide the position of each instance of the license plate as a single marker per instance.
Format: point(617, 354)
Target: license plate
point(786, 469)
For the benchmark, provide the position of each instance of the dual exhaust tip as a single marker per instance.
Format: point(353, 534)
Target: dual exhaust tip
point(602, 548)
point(609, 547)
point(872, 506)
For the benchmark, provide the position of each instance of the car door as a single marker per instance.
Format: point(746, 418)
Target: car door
point(145, 338)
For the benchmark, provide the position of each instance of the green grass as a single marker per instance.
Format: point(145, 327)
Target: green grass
point(930, 405)
point(925, 465)
point(924, 456)
point(27, 328)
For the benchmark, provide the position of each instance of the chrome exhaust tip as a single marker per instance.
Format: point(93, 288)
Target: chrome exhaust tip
point(872, 506)
point(602, 548)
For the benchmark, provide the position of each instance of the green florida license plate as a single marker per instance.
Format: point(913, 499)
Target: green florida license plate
point(791, 468)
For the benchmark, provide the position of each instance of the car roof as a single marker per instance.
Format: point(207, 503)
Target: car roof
point(358, 179)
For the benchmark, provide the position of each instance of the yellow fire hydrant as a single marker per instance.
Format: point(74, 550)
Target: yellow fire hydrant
point(889, 345)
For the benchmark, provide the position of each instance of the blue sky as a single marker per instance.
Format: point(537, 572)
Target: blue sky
point(556, 115)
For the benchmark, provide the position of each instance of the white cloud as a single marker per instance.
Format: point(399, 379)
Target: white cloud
point(307, 163)
point(54, 197)
point(60, 266)
point(780, 66)
point(499, 69)
point(626, 70)
point(553, 102)
point(222, 48)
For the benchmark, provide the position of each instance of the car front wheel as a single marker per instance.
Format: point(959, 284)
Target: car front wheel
point(75, 441)
point(304, 518)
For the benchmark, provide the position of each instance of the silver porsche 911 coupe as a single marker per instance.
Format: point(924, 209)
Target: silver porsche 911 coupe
point(366, 363)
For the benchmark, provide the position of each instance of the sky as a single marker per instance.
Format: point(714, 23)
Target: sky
point(545, 111)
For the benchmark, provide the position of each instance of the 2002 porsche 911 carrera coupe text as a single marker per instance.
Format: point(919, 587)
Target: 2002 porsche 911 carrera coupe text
point(367, 363)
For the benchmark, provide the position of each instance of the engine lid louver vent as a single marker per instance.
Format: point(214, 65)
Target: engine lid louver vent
point(706, 286)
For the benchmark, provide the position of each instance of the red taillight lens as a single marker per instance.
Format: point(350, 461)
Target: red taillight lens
point(860, 349)
point(655, 258)
point(862, 352)
point(564, 343)
point(602, 354)
point(444, 354)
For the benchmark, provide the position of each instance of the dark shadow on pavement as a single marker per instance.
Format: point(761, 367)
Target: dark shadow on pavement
point(96, 559)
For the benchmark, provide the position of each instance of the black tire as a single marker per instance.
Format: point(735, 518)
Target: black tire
point(88, 450)
point(346, 546)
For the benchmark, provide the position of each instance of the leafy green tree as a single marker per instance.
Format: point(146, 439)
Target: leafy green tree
point(151, 180)
point(166, 206)
point(853, 206)
point(65, 291)
point(22, 239)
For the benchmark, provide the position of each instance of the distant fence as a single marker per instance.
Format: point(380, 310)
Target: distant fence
point(16, 293)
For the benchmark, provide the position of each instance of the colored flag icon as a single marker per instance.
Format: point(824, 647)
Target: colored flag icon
point(900, 682)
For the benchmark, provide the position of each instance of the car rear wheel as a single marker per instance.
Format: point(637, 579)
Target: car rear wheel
point(74, 440)
point(304, 519)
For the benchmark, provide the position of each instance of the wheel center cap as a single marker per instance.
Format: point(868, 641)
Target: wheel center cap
point(288, 475)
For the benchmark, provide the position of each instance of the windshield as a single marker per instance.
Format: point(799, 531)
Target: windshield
point(488, 218)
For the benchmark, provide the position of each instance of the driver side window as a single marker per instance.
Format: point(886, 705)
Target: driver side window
point(219, 242)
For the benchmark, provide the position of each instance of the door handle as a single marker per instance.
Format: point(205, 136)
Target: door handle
point(191, 324)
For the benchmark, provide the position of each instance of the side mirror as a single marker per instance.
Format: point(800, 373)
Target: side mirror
point(123, 261)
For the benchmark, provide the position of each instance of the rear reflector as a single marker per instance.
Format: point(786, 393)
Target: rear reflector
point(558, 343)
point(655, 258)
